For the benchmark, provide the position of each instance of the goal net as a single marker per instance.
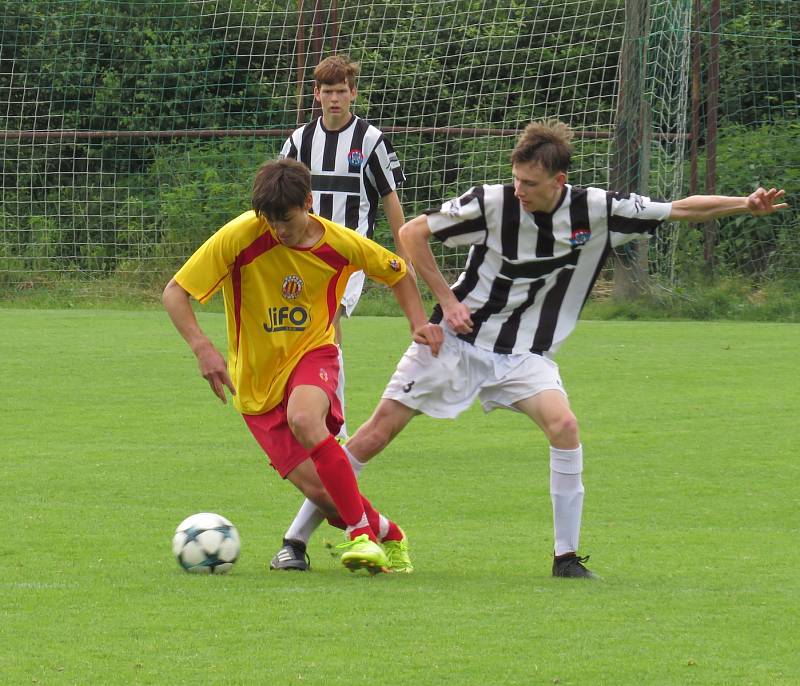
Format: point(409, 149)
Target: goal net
point(131, 131)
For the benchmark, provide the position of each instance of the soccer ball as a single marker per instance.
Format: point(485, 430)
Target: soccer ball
point(206, 543)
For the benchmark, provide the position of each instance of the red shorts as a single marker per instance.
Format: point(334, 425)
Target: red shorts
point(318, 367)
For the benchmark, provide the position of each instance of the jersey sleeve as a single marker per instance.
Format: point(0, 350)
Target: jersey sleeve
point(383, 169)
point(378, 263)
point(289, 150)
point(205, 271)
point(632, 216)
point(460, 221)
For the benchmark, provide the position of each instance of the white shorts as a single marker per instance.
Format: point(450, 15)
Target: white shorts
point(352, 292)
point(444, 386)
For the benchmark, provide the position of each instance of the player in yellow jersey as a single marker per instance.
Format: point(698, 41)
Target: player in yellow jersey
point(282, 272)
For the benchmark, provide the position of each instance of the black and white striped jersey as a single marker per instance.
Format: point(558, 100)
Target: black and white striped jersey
point(351, 170)
point(528, 275)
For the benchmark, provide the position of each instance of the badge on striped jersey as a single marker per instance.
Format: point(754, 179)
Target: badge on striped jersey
point(355, 158)
point(580, 236)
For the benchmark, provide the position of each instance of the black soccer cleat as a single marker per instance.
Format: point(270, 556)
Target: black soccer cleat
point(570, 566)
point(291, 557)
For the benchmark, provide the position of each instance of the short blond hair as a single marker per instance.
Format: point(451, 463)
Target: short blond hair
point(546, 142)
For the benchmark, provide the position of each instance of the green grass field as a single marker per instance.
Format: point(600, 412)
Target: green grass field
point(109, 438)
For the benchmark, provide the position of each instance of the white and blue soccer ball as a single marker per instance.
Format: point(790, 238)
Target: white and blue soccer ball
point(206, 543)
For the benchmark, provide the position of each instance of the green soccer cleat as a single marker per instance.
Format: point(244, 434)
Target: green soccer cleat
point(397, 554)
point(362, 553)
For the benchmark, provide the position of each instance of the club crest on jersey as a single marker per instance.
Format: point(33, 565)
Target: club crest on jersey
point(394, 265)
point(292, 287)
point(323, 375)
point(355, 158)
point(580, 237)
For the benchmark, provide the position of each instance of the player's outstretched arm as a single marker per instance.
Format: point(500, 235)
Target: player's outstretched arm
point(702, 208)
point(212, 364)
point(414, 237)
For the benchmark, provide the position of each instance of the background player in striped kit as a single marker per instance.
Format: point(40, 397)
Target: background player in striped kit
point(353, 167)
point(537, 246)
point(282, 272)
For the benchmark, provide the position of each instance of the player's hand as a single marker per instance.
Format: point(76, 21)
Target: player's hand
point(762, 201)
point(457, 317)
point(430, 335)
point(215, 371)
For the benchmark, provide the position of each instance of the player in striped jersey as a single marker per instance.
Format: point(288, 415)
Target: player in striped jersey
point(282, 272)
point(353, 166)
point(537, 246)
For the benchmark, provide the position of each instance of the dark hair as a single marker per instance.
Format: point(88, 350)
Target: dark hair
point(280, 187)
point(547, 143)
point(336, 69)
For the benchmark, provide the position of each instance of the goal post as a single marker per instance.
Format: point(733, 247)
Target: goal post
point(630, 151)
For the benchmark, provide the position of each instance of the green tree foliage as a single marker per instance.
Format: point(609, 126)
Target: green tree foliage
point(760, 48)
point(147, 66)
point(70, 202)
point(159, 67)
point(94, 65)
point(759, 247)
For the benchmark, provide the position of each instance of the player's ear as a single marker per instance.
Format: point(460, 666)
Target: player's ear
point(309, 202)
point(561, 178)
point(316, 93)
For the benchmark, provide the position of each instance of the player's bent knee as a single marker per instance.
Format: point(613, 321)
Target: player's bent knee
point(564, 430)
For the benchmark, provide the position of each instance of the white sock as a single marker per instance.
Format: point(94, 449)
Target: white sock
point(354, 463)
point(342, 435)
point(305, 523)
point(384, 527)
point(309, 516)
point(566, 493)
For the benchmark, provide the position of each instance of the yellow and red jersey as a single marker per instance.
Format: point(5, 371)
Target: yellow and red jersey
point(279, 301)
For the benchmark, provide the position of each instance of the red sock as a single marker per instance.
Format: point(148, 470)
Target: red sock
point(337, 476)
point(393, 533)
point(337, 522)
point(373, 516)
